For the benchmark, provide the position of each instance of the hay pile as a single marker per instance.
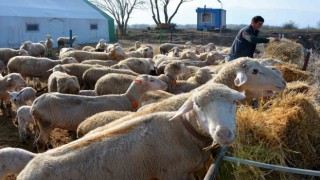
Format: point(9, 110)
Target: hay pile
point(285, 50)
point(291, 73)
point(297, 87)
point(286, 134)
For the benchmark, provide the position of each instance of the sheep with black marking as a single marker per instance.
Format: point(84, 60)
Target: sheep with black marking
point(165, 48)
point(65, 40)
point(101, 46)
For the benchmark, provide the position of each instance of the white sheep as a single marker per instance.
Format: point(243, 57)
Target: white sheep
point(78, 70)
point(92, 75)
point(137, 45)
point(164, 48)
point(34, 49)
point(101, 46)
point(174, 52)
point(49, 44)
point(240, 74)
point(8, 53)
point(142, 52)
point(201, 76)
point(179, 152)
point(24, 119)
point(62, 82)
point(27, 94)
point(13, 160)
point(99, 120)
point(65, 40)
point(100, 62)
point(139, 65)
point(49, 116)
point(87, 93)
point(120, 84)
point(64, 50)
point(117, 53)
point(29, 66)
point(8, 83)
point(88, 49)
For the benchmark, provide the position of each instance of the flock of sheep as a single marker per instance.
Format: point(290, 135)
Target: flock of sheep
point(137, 115)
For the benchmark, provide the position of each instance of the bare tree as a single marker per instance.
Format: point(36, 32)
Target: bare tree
point(120, 10)
point(162, 5)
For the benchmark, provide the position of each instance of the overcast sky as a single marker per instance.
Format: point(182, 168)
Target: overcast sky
point(275, 12)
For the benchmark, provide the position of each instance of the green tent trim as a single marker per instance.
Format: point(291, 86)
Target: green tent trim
point(112, 35)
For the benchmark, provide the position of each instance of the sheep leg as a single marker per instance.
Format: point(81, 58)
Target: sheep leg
point(43, 137)
point(23, 133)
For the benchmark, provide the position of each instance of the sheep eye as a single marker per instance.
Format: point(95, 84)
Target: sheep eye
point(244, 65)
point(255, 71)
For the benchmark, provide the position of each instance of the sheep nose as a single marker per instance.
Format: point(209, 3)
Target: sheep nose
point(285, 83)
point(224, 133)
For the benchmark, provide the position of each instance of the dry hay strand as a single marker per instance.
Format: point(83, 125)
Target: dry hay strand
point(285, 134)
point(292, 73)
point(285, 50)
point(297, 87)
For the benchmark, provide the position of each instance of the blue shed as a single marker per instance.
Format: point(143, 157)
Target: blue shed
point(210, 19)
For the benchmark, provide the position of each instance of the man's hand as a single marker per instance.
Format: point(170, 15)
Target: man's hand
point(272, 39)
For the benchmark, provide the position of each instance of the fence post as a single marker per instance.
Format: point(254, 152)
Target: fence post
point(160, 35)
point(213, 170)
point(142, 36)
point(306, 60)
point(70, 37)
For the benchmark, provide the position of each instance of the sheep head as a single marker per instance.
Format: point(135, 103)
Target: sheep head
point(215, 108)
point(251, 75)
point(150, 83)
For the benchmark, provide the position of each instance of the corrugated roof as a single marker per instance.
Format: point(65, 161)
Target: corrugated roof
point(49, 8)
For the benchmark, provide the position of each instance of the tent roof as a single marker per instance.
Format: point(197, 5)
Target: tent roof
point(75, 9)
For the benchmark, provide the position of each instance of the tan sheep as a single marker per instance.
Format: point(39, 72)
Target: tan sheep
point(115, 54)
point(83, 107)
point(98, 120)
point(92, 75)
point(179, 153)
point(100, 62)
point(7, 53)
point(139, 65)
point(34, 49)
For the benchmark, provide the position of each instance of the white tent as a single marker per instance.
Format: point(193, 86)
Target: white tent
point(23, 20)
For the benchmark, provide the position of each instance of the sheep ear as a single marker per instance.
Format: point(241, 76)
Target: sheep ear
point(20, 92)
point(240, 79)
point(239, 95)
point(186, 107)
point(50, 70)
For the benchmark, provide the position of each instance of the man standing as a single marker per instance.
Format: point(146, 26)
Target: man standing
point(246, 40)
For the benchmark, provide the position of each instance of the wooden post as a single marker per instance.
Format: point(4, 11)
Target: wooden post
point(142, 36)
point(306, 60)
point(213, 170)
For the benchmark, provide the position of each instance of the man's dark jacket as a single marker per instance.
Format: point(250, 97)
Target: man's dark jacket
point(245, 43)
